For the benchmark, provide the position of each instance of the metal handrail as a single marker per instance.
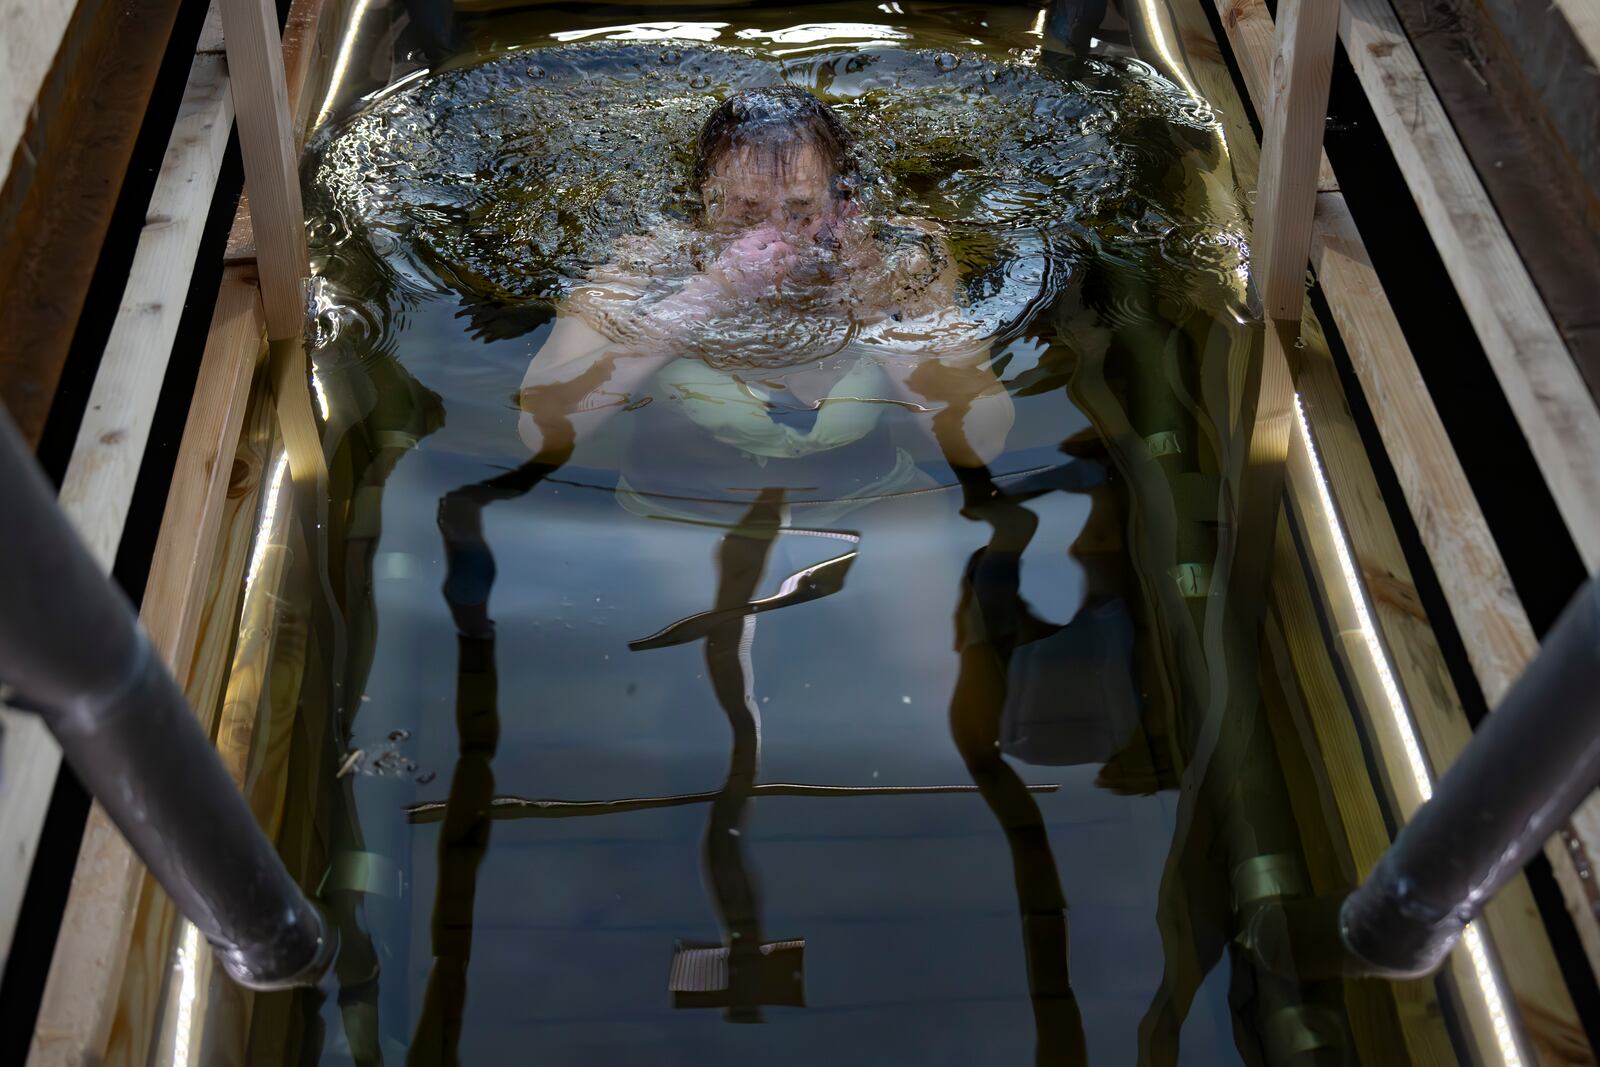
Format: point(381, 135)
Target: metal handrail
point(72, 651)
point(1526, 769)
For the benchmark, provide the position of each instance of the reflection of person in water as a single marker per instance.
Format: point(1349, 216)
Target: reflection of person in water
point(782, 326)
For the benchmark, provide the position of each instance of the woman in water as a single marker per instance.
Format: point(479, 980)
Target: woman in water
point(782, 326)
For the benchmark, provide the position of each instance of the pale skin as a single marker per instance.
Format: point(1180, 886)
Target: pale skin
point(581, 377)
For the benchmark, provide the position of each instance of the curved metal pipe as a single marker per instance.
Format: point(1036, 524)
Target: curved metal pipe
point(1530, 764)
point(72, 651)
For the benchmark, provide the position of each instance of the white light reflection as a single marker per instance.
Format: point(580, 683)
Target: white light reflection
point(188, 990)
point(812, 32)
point(322, 394)
point(342, 64)
point(649, 31)
point(1156, 27)
point(1483, 967)
point(269, 514)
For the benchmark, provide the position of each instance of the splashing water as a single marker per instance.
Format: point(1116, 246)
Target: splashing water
point(512, 181)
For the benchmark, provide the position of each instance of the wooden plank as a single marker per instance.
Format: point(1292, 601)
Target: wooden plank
point(1557, 46)
point(177, 582)
point(148, 969)
point(266, 140)
point(29, 760)
point(1540, 381)
point(1550, 212)
point(65, 177)
point(1291, 148)
point(250, 672)
point(116, 425)
point(311, 36)
point(30, 33)
point(98, 487)
point(1483, 603)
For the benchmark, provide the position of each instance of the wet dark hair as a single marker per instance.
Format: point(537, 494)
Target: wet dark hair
point(785, 120)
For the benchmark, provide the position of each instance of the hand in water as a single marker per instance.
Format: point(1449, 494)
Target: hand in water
point(755, 262)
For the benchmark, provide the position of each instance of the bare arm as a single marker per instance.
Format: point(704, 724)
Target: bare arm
point(580, 376)
point(612, 336)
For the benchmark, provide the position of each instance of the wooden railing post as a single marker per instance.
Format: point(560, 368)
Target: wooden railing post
point(271, 173)
point(1291, 149)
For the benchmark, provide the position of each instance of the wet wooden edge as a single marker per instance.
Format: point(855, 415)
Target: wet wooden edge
point(1477, 586)
point(64, 176)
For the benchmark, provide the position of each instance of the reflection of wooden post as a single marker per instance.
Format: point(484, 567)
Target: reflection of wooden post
point(266, 141)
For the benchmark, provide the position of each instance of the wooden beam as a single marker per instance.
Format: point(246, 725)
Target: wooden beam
point(1291, 148)
point(311, 37)
point(65, 174)
point(266, 140)
point(1483, 603)
point(176, 587)
point(1541, 383)
point(1528, 169)
point(1557, 46)
point(30, 33)
point(98, 487)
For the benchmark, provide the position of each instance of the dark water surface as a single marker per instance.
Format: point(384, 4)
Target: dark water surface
point(882, 761)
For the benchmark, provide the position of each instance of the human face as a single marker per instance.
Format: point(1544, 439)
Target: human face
point(752, 187)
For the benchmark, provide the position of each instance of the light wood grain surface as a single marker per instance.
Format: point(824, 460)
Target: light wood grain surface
point(271, 161)
point(1541, 383)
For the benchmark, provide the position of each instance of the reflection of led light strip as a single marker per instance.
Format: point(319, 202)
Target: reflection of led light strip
point(1164, 47)
point(1482, 963)
point(269, 514)
point(346, 47)
point(189, 964)
point(322, 394)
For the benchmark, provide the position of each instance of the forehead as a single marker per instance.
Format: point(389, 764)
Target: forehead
point(774, 167)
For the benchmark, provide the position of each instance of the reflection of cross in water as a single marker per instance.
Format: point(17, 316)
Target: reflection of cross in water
point(743, 973)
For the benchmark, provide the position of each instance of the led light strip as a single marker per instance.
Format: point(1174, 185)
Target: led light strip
point(1489, 985)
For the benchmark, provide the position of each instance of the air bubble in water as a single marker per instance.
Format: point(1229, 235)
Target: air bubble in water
point(947, 61)
point(700, 81)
